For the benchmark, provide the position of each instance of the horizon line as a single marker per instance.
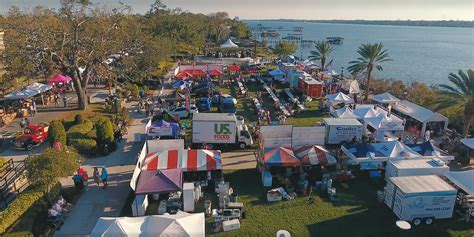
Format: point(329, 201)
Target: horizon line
point(295, 19)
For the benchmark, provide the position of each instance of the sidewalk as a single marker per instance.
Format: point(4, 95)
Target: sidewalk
point(97, 202)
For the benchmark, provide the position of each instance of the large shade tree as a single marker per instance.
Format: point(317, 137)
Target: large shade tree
point(460, 94)
point(323, 49)
point(77, 39)
point(371, 56)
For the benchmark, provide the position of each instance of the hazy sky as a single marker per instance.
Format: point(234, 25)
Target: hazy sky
point(302, 9)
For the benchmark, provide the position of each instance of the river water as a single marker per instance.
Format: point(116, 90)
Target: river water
point(425, 54)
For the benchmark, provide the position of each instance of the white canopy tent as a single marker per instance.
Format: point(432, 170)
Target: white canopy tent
point(395, 150)
point(469, 142)
point(345, 112)
point(384, 124)
point(339, 98)
point(180, 224)
point(229, 44)
point(421, 114)
point(365, 112)
point(462, 179)
point(29, 91)
point(385, 98)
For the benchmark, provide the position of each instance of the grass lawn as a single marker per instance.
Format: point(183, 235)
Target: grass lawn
point(356, 213)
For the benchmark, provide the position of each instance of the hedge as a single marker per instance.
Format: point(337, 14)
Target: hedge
point(80, 130)
point(105, 131)
point(84, 146)
point(79, 119)
point(56, 132)
point(22, 204)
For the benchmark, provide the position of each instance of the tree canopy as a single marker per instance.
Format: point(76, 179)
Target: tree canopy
point(285, 48)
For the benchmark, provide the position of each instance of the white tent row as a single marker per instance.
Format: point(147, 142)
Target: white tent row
point(462, 179)
point(419, 113)
point(29, 91)
point(229, 44)
point(385, 98)
point(180, 224)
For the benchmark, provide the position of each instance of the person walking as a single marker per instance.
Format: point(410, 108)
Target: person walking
point(65, 100)
point(22, 124)
point(96, 176)
point(104, 176)
point(34, 107)
point(85, 179)
point(56, 100)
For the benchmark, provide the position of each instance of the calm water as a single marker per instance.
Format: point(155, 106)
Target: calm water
point(426, 54)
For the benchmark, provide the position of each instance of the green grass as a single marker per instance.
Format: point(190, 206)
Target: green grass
point(356, 213)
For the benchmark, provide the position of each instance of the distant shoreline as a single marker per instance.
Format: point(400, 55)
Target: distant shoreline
point(450, 23)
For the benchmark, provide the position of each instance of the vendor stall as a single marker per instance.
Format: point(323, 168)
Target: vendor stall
point(344, 112)
point(385, 98)
point(187, 160)
point(467, 153)
point(59, 79)
point(419, 119)
point(429, 149)
point(180, 224)
point(314, 155)
point(463, 180)
point(160, 181)
point(385, 127)
point(163, 129)
point(280, 157)
point(336, 99)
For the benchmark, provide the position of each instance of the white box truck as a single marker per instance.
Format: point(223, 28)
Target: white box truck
point(340, 130)
point(420, 199)
point(415, 167)
point(218, 129)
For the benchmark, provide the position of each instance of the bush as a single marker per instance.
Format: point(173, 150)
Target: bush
point(84, 146)
point(79, 119)
point(32, 196)
point(80, 130)
point(105, 131)
point(56, 132)
point(3, 161)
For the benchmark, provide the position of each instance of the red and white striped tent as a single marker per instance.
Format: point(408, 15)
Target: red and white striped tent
point(314, 155)
point(187, 160)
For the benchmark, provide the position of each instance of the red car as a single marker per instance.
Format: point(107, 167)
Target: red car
point(33, 136)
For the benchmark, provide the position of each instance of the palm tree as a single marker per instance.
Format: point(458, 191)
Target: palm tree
point(371, 56)
point(323, 49)
point(460, 94)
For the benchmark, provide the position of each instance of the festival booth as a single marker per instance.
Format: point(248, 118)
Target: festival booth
point(25, 95)
point(229, 44)
point(278, 163)
point(310, 87)
point(467, 152)
point(59, 79)
point(162, 130)
point(336, 99)
point(234, 68)
point(385, 98)
point(373, 156)
point(344, 112)
point(385, 127)
point(180, 224)
point(174, 96)
point(191, 74)
point(427, 148)
point(278, 75)
point(314, 155)
point(159, 181)
point(181, 84)
point(464, 182)
point(188, 160)
point(419, 119)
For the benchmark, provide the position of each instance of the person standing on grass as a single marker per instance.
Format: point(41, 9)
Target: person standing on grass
point(103, 176)
point(96, 176)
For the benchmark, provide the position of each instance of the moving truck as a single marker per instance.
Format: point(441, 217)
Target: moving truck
point(412, 167)
point(420, 199)
point(340, 130)
point(220, 129)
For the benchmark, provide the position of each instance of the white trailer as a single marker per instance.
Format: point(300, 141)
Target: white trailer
point(415, 167)
point(220, 128)
point(339, 130)
point(420, 198)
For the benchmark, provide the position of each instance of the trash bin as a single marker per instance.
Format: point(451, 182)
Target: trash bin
point(78, 182)
point(233, 197)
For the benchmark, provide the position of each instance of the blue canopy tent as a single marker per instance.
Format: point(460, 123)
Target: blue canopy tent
point(181, 84)
point(162, 129)
point(277, 74)
point(427, 149)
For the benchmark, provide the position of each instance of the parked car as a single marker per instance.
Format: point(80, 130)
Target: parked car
point(32, 136)
point(183, 112)
point(204, 104)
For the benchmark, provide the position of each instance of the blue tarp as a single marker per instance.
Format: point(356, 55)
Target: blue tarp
point(277, 72)
point(181, 84)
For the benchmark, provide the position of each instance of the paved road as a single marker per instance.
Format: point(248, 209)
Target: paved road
point(97, 202)
point(239, 160)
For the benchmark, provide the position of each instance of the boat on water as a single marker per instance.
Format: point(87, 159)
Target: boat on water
point(335, 40)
